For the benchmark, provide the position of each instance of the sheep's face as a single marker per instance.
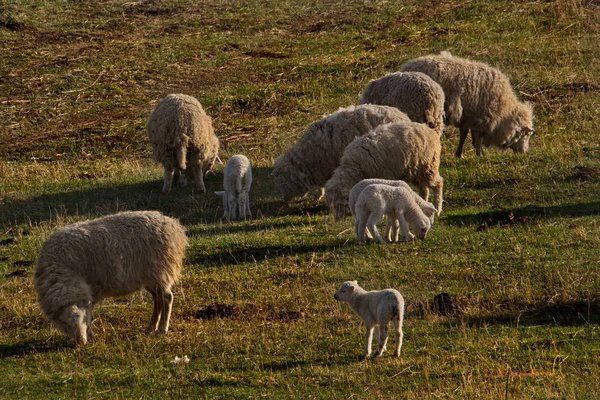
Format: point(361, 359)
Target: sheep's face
point(422, 228)
point(75, 321)
point(517, 129)
point(346, 291)
point(288, 184)
point(522, 145)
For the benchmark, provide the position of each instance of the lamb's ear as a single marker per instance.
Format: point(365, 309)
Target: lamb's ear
point(220, 193)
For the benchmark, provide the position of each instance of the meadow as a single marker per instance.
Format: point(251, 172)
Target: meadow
point(514, 256)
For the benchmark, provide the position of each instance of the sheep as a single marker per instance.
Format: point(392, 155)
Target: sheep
point(404, 150)
point(237, 180)
point(80, 264)
point(308, 164)
point(397, 203)
point(414, 93)
point(479, 98)
point(391, 224)
point(375, 307)
point(182, 139)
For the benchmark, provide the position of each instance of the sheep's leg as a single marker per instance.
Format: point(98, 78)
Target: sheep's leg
point(247, 211)
point(437, 190)
point(360, 224)
point(477, 143)
point(198, 177)
point(424, 192)
point(399, 334)
point(406, 235)
point(383, 338)
point(369, 340)
point(167, 305)
point(168, 178)
point(461, 142)
point(372, 226)
point(156, 311)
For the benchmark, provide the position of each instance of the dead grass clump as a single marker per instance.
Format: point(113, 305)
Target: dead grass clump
point(217, 310)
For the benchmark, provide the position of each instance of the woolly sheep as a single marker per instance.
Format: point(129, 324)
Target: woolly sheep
point(391, 224)
point(407, 151)
point(375, 307)
point(396, 203)
point(237, 180)
point(82, 263)
point(479, 98)
point(413, 93)
point(308, 164)
point(182, 139)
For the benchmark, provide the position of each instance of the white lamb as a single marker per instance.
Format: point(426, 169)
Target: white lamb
point(479, 98)
point(408, 151)
point(376, 307)
point(82, 263)
point(310, 162)
point(392, 225)
point(237, 180)
point(414, 93)
point(396, 203)
point(182, 139)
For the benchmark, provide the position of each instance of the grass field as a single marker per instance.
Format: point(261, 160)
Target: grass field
point(516, 250)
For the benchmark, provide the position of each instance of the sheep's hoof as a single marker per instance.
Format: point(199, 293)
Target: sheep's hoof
point(363, 357)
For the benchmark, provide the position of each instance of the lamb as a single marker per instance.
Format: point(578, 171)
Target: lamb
point(182, 139)
point(479, 98)
point(392, 224)
point(237, 180)
point(375, 307)
point(308, 164)
point(413, 93)
point(82, 263)
point(408, 151)
point(397, 203)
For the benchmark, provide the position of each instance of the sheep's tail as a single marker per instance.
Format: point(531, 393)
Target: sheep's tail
point(181, 153)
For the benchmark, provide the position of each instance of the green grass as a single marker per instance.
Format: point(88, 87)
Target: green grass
point(516, 248)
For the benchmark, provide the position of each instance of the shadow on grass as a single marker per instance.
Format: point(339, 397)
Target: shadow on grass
point(254, 254)
point(32, 346)
point(524, 214)
point(184, 203)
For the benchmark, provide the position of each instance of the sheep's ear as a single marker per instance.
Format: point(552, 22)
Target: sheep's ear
point(429, 209)
point(220, 193)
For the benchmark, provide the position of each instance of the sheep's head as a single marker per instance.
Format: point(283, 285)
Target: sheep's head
point(288, 178)
point(517, 129)
point(346, 291)
point(75, 321)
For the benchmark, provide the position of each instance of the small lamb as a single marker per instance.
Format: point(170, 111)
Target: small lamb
point(396, 203)
point(375, 307)
point(360, 186)
point(237, 180)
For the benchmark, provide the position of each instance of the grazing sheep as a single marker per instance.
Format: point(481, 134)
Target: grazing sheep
point(182, 139)
point(397, 203)
point(82, 263)
point(404, 150)
point(375, 307)
point(237, 180)
point(308, 164)
point(479, 98)
point(414, 93)
point(391, 224)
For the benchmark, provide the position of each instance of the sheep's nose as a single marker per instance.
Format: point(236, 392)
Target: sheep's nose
point(335, 296)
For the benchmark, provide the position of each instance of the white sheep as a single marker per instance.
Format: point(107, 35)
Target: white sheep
point(310, 162)
point(237, 180)
point(182, 139)
point(396, 203)
point(82, 263)
point(408, 151)
point(375, 307)
point(414, 93)
point(392, 225)
point(479, 98)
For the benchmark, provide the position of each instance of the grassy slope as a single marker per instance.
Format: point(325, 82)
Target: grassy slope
point(80, 79)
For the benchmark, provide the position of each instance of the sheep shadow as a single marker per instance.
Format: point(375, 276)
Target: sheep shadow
point(34, 346)
point(184, 203)
point(529, 213)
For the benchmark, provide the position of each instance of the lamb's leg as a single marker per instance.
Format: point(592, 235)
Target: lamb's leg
point(383, 338)
point(399, 334)
point(156, 310)
point(391, 228)
point(369, 340)
point(438, 196)
point(372, 226)
point(167, 304)
point(360, 224)
point(406, 235)
point(461, 142)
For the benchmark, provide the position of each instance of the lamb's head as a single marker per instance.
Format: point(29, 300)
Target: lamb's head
point(516, 129)
point(288, 178)
point(75, 321)
point(346, 291)
point(420, 218)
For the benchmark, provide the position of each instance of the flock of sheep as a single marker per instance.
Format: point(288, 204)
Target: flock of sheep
point(361, 158)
